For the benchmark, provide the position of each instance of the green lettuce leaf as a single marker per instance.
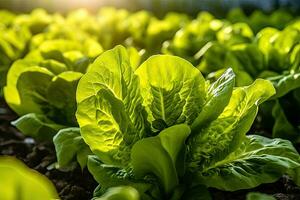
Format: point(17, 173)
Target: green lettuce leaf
point(257, 160)
point(110, 111)
point(61, 97)
point(172, 89)
point(218, 96)
point(32, 86)
point(37, 126)
point(69, 146)
point(285, 83)
point(39, 91)
point(11, 94)
point(167, 148)
point(223, 135)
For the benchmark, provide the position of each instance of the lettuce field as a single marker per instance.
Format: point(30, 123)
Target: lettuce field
point(123, 105)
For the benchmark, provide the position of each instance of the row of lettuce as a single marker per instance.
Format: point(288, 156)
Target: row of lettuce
point(24, 32)
point(156, 125)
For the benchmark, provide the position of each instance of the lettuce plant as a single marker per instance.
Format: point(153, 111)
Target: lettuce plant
point(273, 55)
point(192, 37)
point(165, 131)
point(41, 87)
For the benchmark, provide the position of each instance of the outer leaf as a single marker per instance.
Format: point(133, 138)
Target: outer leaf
point(258, 160)
point(37, 126)
point(18, 92)
point(166, 147)
point(20, 182)
point(285, 83)
point(32, 87)
point(69, 146)
point(223, 135)
point(61, 96)
point(110, 111)
point(218, 96)
point(173, 90)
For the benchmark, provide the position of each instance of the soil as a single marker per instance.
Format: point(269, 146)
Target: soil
point(79, 185)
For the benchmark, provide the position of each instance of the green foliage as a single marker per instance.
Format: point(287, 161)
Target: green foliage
point(167, 146)
point(115, 104)
point(20, 182)
point(230, 127)
point(270, 54)
point(33, 124)
point(257, 160)
point(187, 41)
point(44, 84)
point(172, 89)
point(152, 127)
point(165, 143)
point(69, 146)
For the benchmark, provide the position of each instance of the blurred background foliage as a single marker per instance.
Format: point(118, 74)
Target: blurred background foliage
point(159, 7)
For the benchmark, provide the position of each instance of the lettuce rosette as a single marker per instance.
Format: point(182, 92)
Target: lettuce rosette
point(163, 130)
point(41, 87)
